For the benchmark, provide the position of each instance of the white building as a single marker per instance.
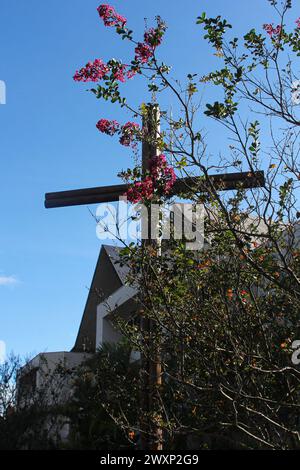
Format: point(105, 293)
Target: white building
point(46, 372)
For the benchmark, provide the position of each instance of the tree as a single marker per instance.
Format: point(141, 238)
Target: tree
point(225, 318)
point(31, 416)
point(104, 410)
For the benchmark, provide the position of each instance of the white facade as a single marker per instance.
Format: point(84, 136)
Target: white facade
point(106, 332)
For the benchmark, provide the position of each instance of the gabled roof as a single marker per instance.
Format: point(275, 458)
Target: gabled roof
point(113, 252)
point(108, 277)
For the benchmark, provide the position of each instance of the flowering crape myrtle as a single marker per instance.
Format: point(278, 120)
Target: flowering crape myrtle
point(107, 127)
point(128, 132)
point(110, 17)
point(158, 182)
point(226, 318)
point(271, 30)
point(163, 177)
point(92, 72)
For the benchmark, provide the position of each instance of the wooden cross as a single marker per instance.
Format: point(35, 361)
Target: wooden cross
point(79, 197)
point(152, 439)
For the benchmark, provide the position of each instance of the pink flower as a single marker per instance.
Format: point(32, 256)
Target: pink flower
point(153, 37)
point(129, 131)
point(108, 127)
point(243, 293)
point(277, 30)
point(110, 17)
point(140, 190)
point(160, 181)
point(298, 22)
point(119, 72)
point(95, 71)
point(271, 31)
point(143, 52)
point(131, 73)
point(92, 72)
point(163, 175)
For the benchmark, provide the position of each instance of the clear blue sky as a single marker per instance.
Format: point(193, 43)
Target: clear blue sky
point(49, 142)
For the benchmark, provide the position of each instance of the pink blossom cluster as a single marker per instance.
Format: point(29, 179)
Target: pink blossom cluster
point(298, 22)
point(143, 52)
point(119, 72)
point(162, 174)
point(128, 133)
point(161, 180)
point(141, 190)
point(271, 30)
point(153, 37)
point(92, 72)
point(131, 72)
point(108, 127)
point(110, 17)
point(97, 70)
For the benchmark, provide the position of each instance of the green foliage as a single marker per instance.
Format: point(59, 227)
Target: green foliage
point(105, 401)
point(220, 110)
point(255, 143)
point(216, 28)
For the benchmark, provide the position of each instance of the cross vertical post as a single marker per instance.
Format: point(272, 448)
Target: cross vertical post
point(151, 438)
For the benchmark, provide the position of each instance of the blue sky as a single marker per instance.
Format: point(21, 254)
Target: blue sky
point(49, 142)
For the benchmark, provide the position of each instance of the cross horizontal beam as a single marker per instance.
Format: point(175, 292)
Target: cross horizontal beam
point(182, 186)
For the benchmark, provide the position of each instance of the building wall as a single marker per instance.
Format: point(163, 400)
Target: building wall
point(105, 282)
point(48, 380)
